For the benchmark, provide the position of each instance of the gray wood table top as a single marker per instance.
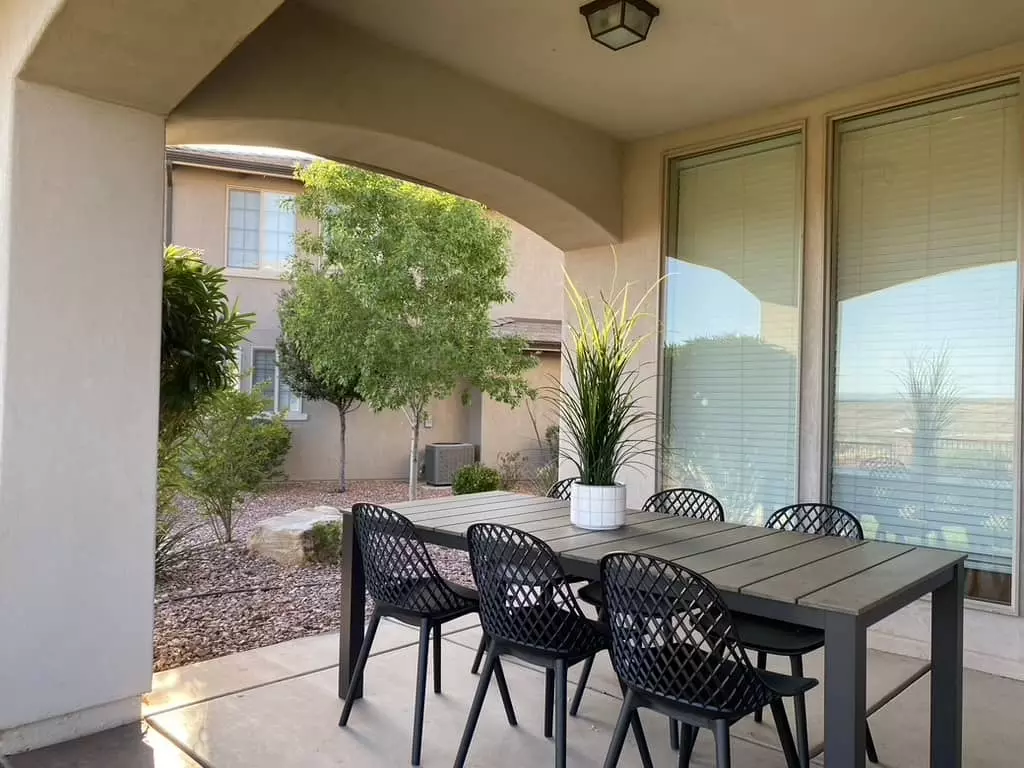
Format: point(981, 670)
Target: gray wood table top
point(830, 574)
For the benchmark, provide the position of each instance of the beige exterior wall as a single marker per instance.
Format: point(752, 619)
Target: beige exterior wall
point(505, 430)
point(535, 278)
point(378, 443)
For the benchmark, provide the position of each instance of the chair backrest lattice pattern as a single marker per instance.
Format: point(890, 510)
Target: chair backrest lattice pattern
point(821, 519)
point(525, 597)
point(673, 637)
point(562, 489)
point(399, 570)
point(686, 502)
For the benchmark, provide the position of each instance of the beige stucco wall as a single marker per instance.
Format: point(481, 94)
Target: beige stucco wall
point(378, 443)
point(535, 276)
point(504, 429)
point(994, 642)
point(79, 409)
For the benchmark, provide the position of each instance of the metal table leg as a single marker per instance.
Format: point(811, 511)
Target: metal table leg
point(845, 690)
point(353, 606)
point(948, 672)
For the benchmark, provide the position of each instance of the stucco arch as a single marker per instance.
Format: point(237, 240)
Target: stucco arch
point(305, 81)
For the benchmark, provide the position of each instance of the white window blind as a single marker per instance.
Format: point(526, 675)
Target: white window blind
point(732, 326)
point(924, 412)
point(261, 232)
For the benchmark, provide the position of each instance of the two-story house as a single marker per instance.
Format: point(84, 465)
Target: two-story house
point(226, 202)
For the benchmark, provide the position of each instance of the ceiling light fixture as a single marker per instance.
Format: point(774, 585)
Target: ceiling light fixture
point(618, 24)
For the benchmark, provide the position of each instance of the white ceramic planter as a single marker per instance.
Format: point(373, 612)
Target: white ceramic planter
point(598, 507)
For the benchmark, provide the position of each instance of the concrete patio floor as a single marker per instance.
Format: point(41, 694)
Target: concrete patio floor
point(278, 706)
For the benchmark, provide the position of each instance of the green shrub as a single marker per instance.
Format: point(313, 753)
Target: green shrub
point(546, 477)
point(511, 467)
point(323, 543)
point(476, 478)
point(235, 452)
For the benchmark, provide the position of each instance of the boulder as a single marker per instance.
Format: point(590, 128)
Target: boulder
point(281, 538)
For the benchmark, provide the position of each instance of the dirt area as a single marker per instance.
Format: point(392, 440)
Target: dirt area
point(224, 600)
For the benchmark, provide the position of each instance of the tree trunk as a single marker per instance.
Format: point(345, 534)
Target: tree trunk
point(342, 479)
point(414, 453)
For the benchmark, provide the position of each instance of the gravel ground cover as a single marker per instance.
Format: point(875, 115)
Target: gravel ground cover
point(224, 600)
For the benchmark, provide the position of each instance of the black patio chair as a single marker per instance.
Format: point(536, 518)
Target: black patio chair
point(778, 638)
point(680, 502)
point(405, 585)
point(562, 489)
point(528, 611)
point(676, 652)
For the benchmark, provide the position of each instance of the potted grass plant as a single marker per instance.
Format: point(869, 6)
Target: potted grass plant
point(600, 405)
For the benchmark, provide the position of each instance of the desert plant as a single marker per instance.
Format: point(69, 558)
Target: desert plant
point(545, 477)
point(234, 453)
point(600, 405)
point(323, 543)
point(199, 337)
point(511, 467)
point(932, 396)
point(476, 478)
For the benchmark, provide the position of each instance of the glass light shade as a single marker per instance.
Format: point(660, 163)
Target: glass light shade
point(617, 24)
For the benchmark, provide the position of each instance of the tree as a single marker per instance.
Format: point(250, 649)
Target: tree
point(336, 382)
point(200, 335)
point(420, 270)
point(234, 452)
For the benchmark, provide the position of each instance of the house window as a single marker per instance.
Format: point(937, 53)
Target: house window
point(261, 232)
point(732, 326)
point(266, 377)
point(925, 392)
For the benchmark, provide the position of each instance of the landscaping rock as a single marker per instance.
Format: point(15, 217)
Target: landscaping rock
point(282, 538)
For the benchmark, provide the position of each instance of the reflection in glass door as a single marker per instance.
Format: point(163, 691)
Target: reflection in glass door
point(926, 290)
point(732, 326)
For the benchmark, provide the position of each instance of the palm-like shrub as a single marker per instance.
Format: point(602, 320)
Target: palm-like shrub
point(599, 404)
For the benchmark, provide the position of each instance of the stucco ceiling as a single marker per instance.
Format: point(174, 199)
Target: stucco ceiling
point(704, 60)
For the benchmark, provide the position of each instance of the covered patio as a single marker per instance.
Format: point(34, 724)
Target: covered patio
point(278, 706)
point(878, 148)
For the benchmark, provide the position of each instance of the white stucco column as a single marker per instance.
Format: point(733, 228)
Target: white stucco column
point(81, 211)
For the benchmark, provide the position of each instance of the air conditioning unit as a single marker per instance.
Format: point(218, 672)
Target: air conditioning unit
point(443, 460)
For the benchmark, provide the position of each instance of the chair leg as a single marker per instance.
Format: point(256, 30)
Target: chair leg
point(723, 753)
point(480, 651)
point(549, 700)
point(437, 659)
point(626, 714)
point(421, 691)
point(357, 676)
point(800, 710)
point(762, 663)
point(869, 744)
point(478, 704)
point(581, 686)
point(561, 703)
point(688, 742)
point(641, 740)
point(673, 734)
point(785, 734)
point(506, 699)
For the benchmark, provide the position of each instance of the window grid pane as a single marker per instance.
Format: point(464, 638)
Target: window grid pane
point(243, 229)
point(732, 327)
point(264, 366)
point(924, 405)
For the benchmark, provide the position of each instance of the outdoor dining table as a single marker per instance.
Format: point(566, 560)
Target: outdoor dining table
point(840, 585)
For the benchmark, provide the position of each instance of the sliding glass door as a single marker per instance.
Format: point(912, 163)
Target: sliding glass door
point(926, 381)
point(732, 326)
